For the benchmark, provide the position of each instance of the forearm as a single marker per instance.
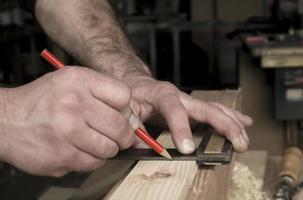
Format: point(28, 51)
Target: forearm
point(4, 113)
point(88, 30)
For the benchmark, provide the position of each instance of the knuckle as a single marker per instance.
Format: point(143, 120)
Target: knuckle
point(213, 111)
point(92, 165)
point(65, 158)
point(103, 150)
point(121, 124)
point(229, 121)
point(233, 129)
point(96, 164)
point(125, 93)
point(70, 99)
point(165, 88)
point(66, 129)
point(111, 149)
point(178, 108)
point(108, 149)
point(72, 74)
point(127, 141)
point(177, 113)
point(122, 131)
point(224, 123)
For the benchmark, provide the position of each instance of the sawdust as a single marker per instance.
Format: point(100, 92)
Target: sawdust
point(245, 185)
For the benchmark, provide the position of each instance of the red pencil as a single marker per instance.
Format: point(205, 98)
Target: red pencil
point(155, 145)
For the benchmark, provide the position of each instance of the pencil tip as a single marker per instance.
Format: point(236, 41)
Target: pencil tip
point(166, 155)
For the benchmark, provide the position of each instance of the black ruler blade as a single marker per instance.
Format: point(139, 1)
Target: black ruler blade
point(201, 155)
point(149, 154)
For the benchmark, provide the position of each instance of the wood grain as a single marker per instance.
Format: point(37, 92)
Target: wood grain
point(58, 193)
point(212, 182)
point(215, 144)
point(178, 179)
point(102, 180)
point(256, 161)
point(148, 179)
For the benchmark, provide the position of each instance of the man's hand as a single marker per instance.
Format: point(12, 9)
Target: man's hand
point(102, 45)
point(151, 96)
point(64, 121)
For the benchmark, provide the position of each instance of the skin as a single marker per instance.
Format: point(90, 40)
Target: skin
point(57, 123)
point(33, 136)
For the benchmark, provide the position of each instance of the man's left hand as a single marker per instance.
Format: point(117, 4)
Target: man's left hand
point(150, 97)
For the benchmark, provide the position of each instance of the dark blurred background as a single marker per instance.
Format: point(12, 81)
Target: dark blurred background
point(196, 44)
point(182, 41)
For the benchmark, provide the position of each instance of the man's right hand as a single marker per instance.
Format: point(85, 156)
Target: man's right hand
point(67, 120)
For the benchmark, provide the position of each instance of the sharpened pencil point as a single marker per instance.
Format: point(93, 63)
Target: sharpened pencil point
point(166, 155)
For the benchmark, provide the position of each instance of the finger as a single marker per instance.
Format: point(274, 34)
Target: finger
point(131, 117)
point(96, 144)
point(135, 122)
point(246, 120)
point(224, 124)
point(235, 117)
point(176, 117)
point(109, 122)
point(112, 91)
point(84, 162)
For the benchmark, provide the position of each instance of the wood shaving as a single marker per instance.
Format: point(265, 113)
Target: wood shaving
point(245, 185)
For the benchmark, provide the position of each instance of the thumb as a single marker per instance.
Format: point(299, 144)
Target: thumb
point(135, 123)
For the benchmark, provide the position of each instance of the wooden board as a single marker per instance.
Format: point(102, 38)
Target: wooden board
point(212, 182)
point(284, 56)
point(178, 179)
point(281, 61)
point(256, 162)
point(204, 184)
point(58, 193)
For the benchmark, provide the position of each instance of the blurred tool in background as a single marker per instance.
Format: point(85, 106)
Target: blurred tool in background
point(291, 167)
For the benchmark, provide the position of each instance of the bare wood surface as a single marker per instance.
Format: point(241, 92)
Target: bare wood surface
point(178, 179)
point(157, 179)
point(58, 193)
point(256, 162)
point(102, 180)
point(174, 180)
point(212, 182)
point(215, 144)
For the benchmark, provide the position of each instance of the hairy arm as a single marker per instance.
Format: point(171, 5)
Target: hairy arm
point(89, 31)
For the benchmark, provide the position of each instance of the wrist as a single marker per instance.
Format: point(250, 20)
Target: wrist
point(137, 80)
point(121, 65)
point(4, 112)
point(4, 105)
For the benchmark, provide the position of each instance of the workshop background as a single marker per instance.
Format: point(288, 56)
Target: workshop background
point(196, 44)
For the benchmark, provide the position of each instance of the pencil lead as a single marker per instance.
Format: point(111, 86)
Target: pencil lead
point(166, 155)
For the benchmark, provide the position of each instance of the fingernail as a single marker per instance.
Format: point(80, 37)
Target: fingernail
point(134, 121)
point(242, 139)
point(240, 144)
point(188, 146)
point(245, 136)
point(248, 118)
